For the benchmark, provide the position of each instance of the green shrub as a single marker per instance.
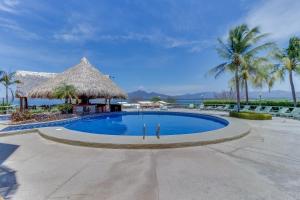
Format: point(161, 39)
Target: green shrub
point(250, 115)
point(65, 108)
point(54, 110)
point(37, 111)
point(284, 103)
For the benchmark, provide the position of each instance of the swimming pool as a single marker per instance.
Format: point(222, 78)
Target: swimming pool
point(135, 123)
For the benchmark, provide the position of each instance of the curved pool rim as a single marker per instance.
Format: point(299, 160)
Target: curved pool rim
point(217, 121)
point(27, 127)
point(235, 129)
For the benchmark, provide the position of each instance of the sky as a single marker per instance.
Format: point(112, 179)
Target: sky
point(164, 46)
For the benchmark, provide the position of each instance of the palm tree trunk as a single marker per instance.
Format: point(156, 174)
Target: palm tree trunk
point(246, 91)
point(237, 85)
point(293, 88)
point(6, 90)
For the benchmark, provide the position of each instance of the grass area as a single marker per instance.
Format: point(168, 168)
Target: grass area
point(284, 103)
point(250, 115)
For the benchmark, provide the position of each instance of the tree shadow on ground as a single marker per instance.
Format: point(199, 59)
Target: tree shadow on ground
point(8, 180)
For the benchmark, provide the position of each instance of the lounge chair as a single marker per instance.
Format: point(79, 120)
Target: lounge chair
point(282, 111)
point(274, 110)
point(258, 109)
point(245, 108)
point(208, 107)
point(267, 109)
point(252, 108)
point(234, 108)
point(293, 113)
point(296, 116)
point(226, 107)
point(214, 107)
point(219, 107)
point(201, 107)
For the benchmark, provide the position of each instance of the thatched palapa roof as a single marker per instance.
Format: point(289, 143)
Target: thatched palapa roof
point(88, 81)
point(30, 80)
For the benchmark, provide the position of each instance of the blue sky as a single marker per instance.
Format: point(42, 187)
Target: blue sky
point(159, 45)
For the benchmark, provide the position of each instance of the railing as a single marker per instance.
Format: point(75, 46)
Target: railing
point(158, 131)
point(144, 131)
point(7, 109)
point(184, 105)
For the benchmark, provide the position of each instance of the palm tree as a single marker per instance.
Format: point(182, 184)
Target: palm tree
point(289, 61)
point(251, 70)
point(8, 79)
point(265, 76)
point(241, 43)
point(67, 92)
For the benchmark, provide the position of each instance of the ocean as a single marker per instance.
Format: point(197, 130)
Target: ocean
point(39, 102)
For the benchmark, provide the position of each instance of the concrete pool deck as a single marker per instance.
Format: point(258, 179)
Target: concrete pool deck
point(234, 130)
point(265, 164)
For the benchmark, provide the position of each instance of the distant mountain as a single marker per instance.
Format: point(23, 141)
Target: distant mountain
point(201, 95)
point(143, 95)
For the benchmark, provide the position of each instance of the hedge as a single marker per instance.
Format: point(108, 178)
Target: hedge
point(284, 103)
point(250, 115)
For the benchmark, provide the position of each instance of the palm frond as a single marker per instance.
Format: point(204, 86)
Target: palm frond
point(260, 37)
point(256, 49)
point(250, 35)
point(218, 70)
point(297, 69)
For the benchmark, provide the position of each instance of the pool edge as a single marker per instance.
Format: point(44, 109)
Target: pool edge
point(235, 130)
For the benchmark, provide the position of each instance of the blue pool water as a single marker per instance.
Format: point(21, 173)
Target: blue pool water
point(132, 123)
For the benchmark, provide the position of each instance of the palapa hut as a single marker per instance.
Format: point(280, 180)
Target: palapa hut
point(28, 81)
point(89, 82)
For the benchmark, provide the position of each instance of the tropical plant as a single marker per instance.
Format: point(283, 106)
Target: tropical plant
point(8, 79)
point(289, 61)
point(66, 92)
point(65, 108)
point(155, 99)
point(241, 43)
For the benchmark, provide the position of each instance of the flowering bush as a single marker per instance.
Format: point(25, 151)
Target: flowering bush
point(21, 116)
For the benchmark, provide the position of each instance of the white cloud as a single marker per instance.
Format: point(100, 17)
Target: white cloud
point(79, 32)
point(86, 32)
point(8, 5)
point(161, 39)
point(12, 27)
point(280, 18)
